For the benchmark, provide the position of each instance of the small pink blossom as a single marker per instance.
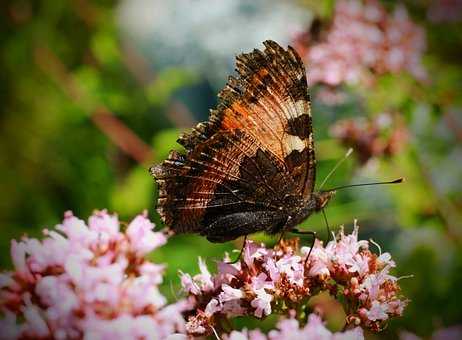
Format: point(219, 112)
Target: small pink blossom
point(262, 303)
point(18, 255)
point(104, 224)
point(212, 307)
point(189, 285)
point(385, 260)
point(378, 311)
point(252, 253)
point(204, 278)
point(229, 293)
point(260, 282)
point(142, 237)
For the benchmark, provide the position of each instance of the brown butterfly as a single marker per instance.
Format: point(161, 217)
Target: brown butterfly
point(251, 167)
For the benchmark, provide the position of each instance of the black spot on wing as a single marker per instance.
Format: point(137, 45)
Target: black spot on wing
point(297, 158)
point(298, 90)
point(300, 126)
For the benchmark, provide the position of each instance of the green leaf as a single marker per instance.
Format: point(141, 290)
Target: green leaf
point(133, 194)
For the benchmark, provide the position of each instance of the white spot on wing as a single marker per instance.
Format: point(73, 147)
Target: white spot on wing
point(302, 107)
point(294, 143)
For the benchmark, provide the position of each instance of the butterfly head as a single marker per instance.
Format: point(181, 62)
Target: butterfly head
point(322, 198)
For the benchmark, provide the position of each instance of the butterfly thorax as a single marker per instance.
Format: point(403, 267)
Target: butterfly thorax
point(316, 202)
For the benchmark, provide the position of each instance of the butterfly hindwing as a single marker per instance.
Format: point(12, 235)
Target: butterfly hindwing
point(229, 174)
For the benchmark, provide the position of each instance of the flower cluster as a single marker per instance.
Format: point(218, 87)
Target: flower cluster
point(384, 135)
point(87, 281)
point(363, 40)
point(290, 329)
point(282, 280)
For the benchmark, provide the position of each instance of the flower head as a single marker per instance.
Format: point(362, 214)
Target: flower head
point(88, 280)
point(361, 41)
point(276, 280)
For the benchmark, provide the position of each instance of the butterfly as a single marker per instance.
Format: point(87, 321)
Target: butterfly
point(251, 167)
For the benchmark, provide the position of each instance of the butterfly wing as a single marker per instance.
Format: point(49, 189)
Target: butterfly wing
point(269, 101)
point(226, 187)
point(250, 159)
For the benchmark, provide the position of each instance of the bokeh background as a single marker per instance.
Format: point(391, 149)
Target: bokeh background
point(94, 92)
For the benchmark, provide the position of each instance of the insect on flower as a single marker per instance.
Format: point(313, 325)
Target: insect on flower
point(251, 167)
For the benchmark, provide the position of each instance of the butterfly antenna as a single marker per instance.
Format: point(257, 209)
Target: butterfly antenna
point(347, 154)
point(396, 181)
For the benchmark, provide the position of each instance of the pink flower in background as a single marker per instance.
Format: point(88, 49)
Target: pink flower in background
point(88, 281)
point(385, 135)
point(362, 40)
point(274, 281)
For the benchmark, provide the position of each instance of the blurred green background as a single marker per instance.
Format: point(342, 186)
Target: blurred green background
point(94, 92)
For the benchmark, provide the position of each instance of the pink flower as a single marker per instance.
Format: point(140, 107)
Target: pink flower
point(315, 328)
point(153, 272)
point(363, 40)
point(292, 267)
point(204, 279)
point(385, 260)
point(253, 252)
point(107, 226)
point(262, 303)
point(35, 325)
point(246, 335)
point(88, 282)
point(189, 285)
point(141, 236)
point(212, 307)
point(77, 231)
point(269, 280)
point(378, 311)
point(94, 282)
point(229, 293)
point(358, 264)
point(259, 282)
point(18, 255)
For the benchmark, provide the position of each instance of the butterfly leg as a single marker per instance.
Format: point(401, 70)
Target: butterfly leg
point(240, 253)
point(281, 237)
point(311, 233)
point(327, 225)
